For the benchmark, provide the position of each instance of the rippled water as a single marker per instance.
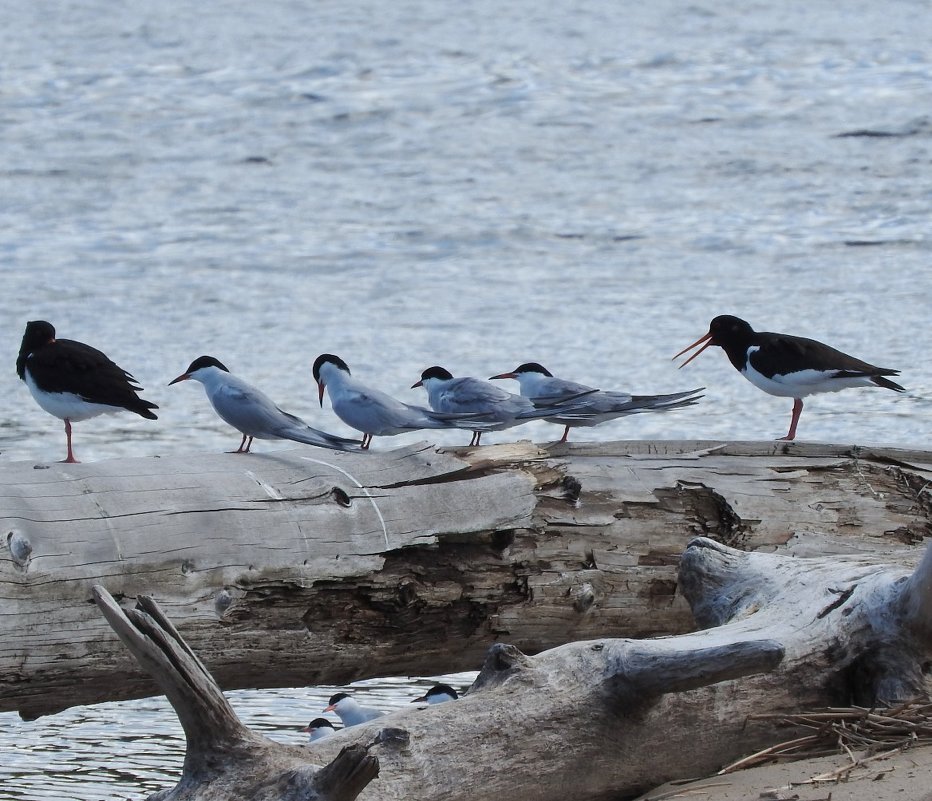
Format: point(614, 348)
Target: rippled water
point(583, 184)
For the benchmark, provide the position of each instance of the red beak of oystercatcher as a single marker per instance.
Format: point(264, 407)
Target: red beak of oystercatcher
point(707, 339)
point(182, 377)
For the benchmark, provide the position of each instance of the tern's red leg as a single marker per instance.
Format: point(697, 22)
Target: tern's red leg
point(566, 433)
point(70, 459)
point(797, 411)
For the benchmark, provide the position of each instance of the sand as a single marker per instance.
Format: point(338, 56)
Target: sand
point(903, 776)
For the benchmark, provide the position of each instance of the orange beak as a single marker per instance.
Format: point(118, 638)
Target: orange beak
point(707, 339)
point(502, 375)
point(182, 377)
point(320, 393)
point(330, 708)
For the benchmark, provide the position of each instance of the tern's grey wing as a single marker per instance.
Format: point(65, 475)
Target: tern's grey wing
point(375, 412)
point(295, 429)
point(608, 405)
point(466, 395)
point(246, 409)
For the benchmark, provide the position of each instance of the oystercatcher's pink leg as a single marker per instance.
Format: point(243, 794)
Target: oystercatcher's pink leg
point(797, 410)
point(70, 459)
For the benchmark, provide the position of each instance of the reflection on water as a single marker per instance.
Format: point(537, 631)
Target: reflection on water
point(126, 750)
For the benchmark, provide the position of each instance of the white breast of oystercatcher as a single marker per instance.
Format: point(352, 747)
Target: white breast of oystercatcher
point(798, 383)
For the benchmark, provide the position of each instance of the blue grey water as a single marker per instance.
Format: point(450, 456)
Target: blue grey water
point(584, 183)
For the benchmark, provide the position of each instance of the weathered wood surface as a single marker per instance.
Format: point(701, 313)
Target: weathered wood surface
point(304, 567)
point(609, 718)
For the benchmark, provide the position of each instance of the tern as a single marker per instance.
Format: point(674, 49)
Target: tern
point(252, 412)
point(350, 711)
point(788, 366)
point(538, 382)
point(467, 395)
point(73, 381)
point(318, 728)
point(373, 412)
point(437, 695)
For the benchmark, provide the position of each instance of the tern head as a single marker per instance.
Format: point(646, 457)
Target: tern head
point(339, 699)
point(528, 368)
point(319, 362)
point(438, 694)
point(436, 373)
point(201, 363)
point(723, 330)
point(319, 727)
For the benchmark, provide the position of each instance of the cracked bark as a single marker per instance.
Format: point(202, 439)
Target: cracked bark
point(287, 569)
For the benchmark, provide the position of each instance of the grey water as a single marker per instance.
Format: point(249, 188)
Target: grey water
point(583, 183)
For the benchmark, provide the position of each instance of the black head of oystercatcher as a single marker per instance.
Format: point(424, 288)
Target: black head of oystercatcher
point(74, 381)
point(789, 366)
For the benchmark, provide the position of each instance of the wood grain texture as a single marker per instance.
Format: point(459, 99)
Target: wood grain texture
point(301, 567)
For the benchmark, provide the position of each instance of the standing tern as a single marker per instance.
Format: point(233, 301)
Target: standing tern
point(73, 381)
point(350, 711)
point(252, 412)
point(538, 382)
point(373, 412)
point(467, 395)
point(788, 366)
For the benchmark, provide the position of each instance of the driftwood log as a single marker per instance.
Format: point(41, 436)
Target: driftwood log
point(609, 718)
point(336, 566)
point(224, 760)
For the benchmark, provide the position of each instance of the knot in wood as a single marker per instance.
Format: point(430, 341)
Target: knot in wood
point(20, 548)
point(341, 496)
point(584, 598)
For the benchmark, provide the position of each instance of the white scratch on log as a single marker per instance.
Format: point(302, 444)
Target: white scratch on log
point(269, 490)
point(353, 479)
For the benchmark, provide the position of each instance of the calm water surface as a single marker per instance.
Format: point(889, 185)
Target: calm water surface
point(584, 184)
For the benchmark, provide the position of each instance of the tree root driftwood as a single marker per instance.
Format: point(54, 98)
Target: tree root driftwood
point(601, 719)
point(225, 760)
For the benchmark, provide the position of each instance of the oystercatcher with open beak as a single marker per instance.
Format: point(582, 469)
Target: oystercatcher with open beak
point(788, 366)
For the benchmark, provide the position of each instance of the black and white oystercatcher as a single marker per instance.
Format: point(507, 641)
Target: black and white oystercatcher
point(73, 381)
point(788, 366)
point(251, 412)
